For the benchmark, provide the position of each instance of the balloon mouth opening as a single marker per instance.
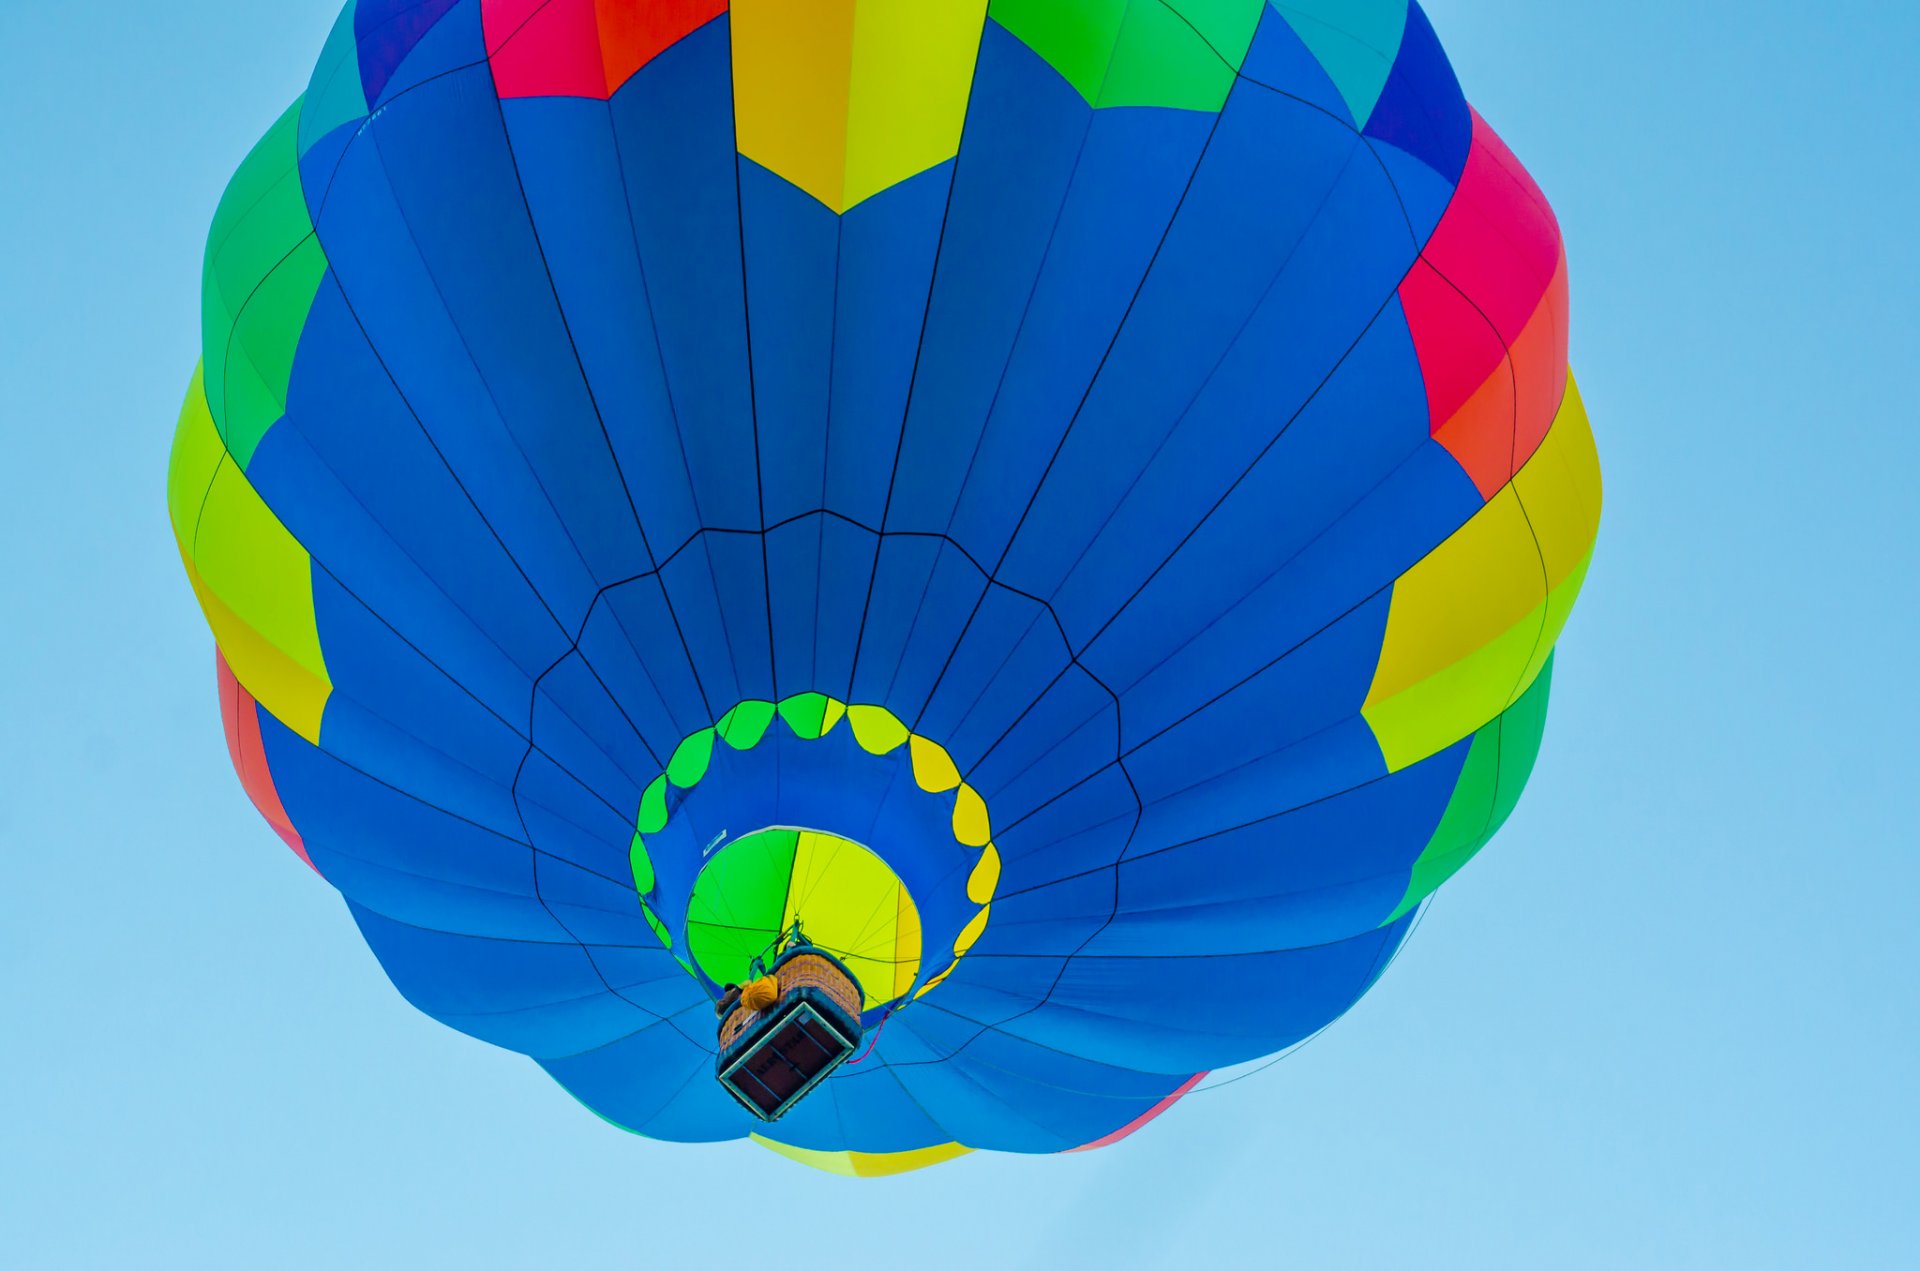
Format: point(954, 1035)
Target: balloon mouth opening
point(846, 898)
point(819, 780)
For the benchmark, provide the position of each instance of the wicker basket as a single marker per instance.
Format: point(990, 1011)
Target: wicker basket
point(804, 967)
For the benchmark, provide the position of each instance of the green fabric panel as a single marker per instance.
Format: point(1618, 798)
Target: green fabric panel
point(1356, 41)
point(1184, 54)
point(263, 267)
point(739, 901)
point(746, 724)
point(191, 466)
point(335, 95)
point(1176, 53)
point(690, 760)
point(1498, 765)
point(642, 862)
point(652, 817)
point(659, 928)
point(264, 340)
point(1523, 728)
point(1075, 37)
point(806, 714)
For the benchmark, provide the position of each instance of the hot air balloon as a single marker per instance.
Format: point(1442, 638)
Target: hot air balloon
point(1012, 544)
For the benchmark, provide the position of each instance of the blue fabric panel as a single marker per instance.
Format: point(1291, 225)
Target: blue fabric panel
point(691, 579)
point(399, 856)
point(1064, 1097)
point(821, 569)
point(446, 159)
point(794, 556)
point(1071, 731)
point(581, 727)
point(403, 717)
point(1424, 194)
point(699, 1112)
point(386, 31)
point(1025, 129)
point(975, 1104)
point(570, 165)
point(1336, 758)
point(941, 600)
point(570, 821)
point(872, 1111)
point(793, 247)
point(395, 300)
point(1132, 177)
point(1351, 496)
point(1264, 183)
point(1198, 460)
point(1084, 826)
point(594, 909)
point(1280, 62)
point(540, 999)
point(633, 1080)
point(1421, 109)
point(403, 529)
point(1178, 1015)
point(1010, 654)
point(887, 246)
point(635, 645)
point(894, 615)
point(1310, 875)
point(673, 124)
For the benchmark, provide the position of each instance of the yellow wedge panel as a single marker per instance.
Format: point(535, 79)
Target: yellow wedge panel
point(846, 98)
point(253, 580)
point(1472, 624)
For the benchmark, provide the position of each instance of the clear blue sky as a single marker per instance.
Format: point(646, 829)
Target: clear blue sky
point(1669, 1019)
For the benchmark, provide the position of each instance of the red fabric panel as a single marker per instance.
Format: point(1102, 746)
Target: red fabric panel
point(241, 716)
point(631, 35)
point(544, 48)
point(582, 48)
point(1143, 1118)
point(1487, 307)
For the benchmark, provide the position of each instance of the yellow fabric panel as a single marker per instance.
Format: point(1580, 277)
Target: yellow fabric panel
point(906, 943)
point(253, 580)
point(1477, 584)
point(933, 767)
point(846, 98)
point(792, 64)
point(848, 900)
point(1458, 699)
point(1560, 489)
point(197, 454)
point(881, 1164)
point(865, 1164)
point(840, 1163)
point(970, 825)
point(1559, 609)
point(971, 932)
point(912, 69)
point(1472, 624)
point(876, 728)
point(985, 879)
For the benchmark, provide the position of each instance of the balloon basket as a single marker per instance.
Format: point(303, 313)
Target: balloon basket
point(772, 1057)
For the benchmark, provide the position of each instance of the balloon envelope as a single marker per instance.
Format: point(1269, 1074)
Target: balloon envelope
point(1073, 501)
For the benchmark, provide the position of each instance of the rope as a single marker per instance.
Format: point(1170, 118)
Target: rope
point(875, 1041)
